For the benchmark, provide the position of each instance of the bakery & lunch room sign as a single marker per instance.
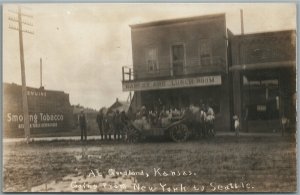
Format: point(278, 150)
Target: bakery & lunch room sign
point(172, 83)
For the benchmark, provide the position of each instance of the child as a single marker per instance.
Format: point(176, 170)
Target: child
point(236, 125)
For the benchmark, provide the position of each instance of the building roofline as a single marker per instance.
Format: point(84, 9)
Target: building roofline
point(263, 33)
point(29, 87)
point(177, 20)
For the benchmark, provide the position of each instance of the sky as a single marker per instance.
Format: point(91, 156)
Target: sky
point(84, 46)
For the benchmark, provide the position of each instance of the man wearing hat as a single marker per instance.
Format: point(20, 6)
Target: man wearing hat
point(83, 125)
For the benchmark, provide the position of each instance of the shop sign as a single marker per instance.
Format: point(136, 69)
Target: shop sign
point(36, 93)
point(261, 108)
point(172, 83)
point(37, 120)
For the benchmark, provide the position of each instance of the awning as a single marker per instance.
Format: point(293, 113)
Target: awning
point(259, 66)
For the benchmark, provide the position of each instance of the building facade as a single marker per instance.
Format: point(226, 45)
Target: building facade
point(48, 110)
point(180, 62)
point(263, 79)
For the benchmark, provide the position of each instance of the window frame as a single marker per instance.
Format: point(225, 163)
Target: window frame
point(147, 50)
point(209, 51)
point(184, 57)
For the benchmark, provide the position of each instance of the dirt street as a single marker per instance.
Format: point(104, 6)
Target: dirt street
point(220, 164)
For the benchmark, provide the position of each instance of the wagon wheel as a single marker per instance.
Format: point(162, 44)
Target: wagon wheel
point(133, 135)
point(179, 133)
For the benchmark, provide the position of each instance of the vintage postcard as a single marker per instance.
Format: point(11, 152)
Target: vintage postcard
point(149, 97)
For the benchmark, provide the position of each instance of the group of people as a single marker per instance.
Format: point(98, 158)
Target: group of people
point(110, 122)
point(199, 118)
point(157, 117)
point(113, 122)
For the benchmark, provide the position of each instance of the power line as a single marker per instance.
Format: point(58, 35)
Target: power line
point(23, 14)
point(13, 19)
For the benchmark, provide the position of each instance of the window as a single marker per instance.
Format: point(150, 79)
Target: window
point(178, 61)
point(152, 59)
point(205, 52)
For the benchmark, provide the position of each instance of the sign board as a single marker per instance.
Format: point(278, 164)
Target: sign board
point(261, 108)
point(36, 93)
point(37, 120)
point(172, 83)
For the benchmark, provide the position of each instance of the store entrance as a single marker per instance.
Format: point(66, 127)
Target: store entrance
point(261, 101)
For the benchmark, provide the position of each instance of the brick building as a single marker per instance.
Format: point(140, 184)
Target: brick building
point(263, 77)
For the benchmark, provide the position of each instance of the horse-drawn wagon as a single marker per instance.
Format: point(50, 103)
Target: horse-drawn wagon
point(174, 124)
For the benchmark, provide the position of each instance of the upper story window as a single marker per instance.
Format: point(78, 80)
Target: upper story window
point(152, 59)
point(205, 52)
point(178, 59)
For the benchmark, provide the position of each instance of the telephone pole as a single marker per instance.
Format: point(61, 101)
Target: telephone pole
point(41, 73)
point(242, 21)
point(19, 28)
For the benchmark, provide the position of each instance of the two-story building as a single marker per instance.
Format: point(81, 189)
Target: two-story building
point(263, 76)
point(180, 62)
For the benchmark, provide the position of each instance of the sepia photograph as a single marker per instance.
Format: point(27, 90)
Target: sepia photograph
point(149, 97)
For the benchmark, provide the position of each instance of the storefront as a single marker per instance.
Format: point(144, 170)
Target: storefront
point(181, 93)
point(264, 81)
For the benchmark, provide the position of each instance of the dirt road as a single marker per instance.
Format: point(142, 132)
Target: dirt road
point(221, 164)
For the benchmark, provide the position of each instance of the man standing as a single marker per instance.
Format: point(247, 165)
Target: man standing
point(117, 125)
point(210, 118)
point(202, 120)
point(100, 123)
point(236, 125)
point(83, 125)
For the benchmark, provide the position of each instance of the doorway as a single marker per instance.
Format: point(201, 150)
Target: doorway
point(261, 106)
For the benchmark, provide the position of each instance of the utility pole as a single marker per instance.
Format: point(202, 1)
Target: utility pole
point(242, 21)
point(24, 89)
point(41, 72)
